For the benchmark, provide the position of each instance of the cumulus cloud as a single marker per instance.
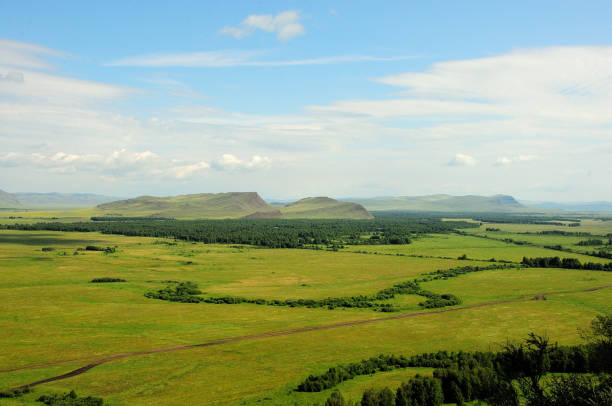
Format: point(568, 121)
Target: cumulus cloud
point(119, 163)
point(124, 163)
point(184, 171)
point(462, 160)
point(286, 25)
point(504, 160)
point(231, 162)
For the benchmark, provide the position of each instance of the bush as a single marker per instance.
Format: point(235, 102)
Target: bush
point(106, 250)
point(15, 393)
point(93, 248)
point(106, 279)
point(70, 399)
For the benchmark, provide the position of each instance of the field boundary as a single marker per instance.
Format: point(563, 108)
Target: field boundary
point(83, 369)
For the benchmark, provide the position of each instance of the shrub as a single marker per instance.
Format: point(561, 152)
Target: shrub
point(70, 399)
point(106, 279)
point(15, 393)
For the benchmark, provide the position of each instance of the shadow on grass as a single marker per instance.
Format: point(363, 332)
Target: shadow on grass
point(43, 239)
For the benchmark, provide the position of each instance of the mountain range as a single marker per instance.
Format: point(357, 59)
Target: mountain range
point(251, 205)
point(52, 200)
point(230, 205)
point(444, 203)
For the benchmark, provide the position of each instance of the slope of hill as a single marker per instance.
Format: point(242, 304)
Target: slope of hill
point(204, 205)
point(324, 207)
point(62, 199)
point(445, 203)
point(8, 201)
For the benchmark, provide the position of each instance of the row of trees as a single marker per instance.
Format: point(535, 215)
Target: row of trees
point(188, 292)
point(340, 373)
point(567, 263)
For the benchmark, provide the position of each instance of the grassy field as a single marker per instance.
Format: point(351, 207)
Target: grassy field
point(53, 320)
point(477, 248)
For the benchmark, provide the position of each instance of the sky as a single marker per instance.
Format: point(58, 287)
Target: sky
point(312, 98)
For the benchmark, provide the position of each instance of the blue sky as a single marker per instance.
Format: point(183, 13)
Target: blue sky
point(307, 98)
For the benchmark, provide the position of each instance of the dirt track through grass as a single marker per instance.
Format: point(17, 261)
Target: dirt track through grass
point(81, 370)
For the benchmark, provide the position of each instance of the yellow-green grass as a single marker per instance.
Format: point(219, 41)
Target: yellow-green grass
point(565, 241)
point(454, 245)
point(592, 226)
point(218, 269)
point(51, 313)
point(265, 371)
point(49, 295)
point(487, 286)
point(43, 216)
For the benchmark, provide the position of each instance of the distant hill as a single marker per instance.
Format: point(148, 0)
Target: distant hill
point(62, 199)
point(230, 205)
point(444, 203)
point(8, 201)
point(575, 206)
point(324, 207)
point(204, 205)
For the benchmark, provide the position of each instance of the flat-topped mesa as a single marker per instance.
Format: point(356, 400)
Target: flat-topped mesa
point(191, 206)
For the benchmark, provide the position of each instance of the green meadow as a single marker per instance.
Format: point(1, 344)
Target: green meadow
point(54, 320)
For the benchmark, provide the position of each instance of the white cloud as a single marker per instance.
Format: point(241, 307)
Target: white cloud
point(547, 86)
point(25, 55)
point(286, 25)
point(69, 133)
point(504, 160)
point(124, 163)
point(55, 90)
point(235, 58)
point(231, 162)
point(187, 170)
point(119, 163)
point(19, 82)
point(462, 160)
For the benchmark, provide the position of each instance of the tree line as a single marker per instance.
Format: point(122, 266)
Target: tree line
point(566, 263)
point(272, 233)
